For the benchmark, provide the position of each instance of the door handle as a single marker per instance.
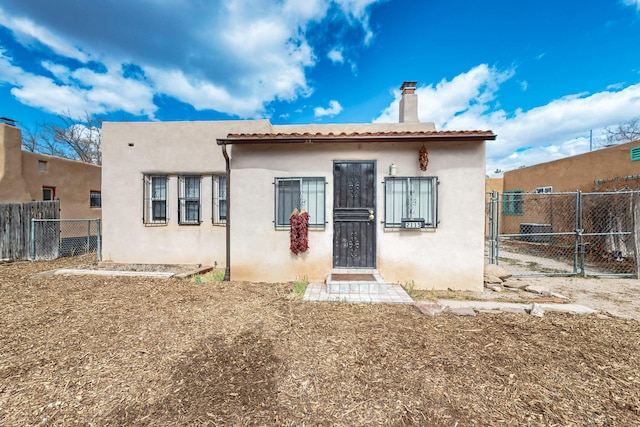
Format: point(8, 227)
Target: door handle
point(371, 216)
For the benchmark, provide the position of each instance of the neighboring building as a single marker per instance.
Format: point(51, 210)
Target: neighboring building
point(370, 204)
point(26, 176)
point(612, 168)
point(608, 169)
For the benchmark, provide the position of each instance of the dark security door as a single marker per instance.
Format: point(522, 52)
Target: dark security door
point(354, 213)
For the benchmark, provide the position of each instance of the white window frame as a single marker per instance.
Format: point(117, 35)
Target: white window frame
point(189, 196)
point(219, 199)
point(154, 195)
point(308, 193)
point(411, 199)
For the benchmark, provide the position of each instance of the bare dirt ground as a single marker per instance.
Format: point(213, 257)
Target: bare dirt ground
point(93, 350)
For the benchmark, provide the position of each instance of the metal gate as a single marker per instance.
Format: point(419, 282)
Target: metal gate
point(354, 195)
point(569, 233)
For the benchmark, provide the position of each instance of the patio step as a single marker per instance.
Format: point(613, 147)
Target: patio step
point(355, 281)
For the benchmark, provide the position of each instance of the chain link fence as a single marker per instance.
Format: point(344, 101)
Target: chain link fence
point(55, 238)
point(573, 233)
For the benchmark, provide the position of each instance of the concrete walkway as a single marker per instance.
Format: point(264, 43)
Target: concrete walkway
point(386, 293)
point(357, 291)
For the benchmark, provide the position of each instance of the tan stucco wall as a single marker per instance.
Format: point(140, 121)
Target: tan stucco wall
point(13, 188)
point(449, 257)
point(130, 150)
point(577, 172)
point(21, 180)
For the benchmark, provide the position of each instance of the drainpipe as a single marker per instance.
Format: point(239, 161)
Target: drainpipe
point(227, 270)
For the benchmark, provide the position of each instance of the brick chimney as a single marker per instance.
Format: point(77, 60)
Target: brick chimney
point(409, 103)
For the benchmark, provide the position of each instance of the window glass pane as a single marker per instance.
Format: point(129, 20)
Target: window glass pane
point(159, 209)
point(423, 188)
point(300, 193)
point(47, 194)
point(192, 210)
point(410, 198)
point(158, 187)
point(189, 200)
point(95, 199)
point(288, 199)
point(155, 199)
point(395, 201)
point(313, 200)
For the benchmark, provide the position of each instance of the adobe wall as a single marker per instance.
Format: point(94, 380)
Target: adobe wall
point(580, 172)
point(23, 175)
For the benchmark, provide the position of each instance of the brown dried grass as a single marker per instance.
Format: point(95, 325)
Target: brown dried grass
point(138, 351)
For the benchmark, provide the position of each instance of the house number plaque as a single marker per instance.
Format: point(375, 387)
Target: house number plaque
point(412, 223)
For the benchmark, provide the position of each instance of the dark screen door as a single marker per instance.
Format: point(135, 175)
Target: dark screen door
point(354, 195)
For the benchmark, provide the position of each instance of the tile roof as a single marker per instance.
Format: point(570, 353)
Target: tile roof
point(247, 138)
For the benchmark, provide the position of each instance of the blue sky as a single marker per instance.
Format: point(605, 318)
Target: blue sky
point(541, 75)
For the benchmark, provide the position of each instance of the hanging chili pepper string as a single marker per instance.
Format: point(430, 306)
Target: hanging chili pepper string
point(299, 231)
point(423, 157)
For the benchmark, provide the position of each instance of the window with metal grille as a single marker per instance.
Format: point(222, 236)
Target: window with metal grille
point(411, 202)
point(219, 199)
point(95, 199)
point(300, 193)
point(155, 199)
point(189, 199)
point(513, 202)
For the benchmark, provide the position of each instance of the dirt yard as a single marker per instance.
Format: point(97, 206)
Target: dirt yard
point(91, 350)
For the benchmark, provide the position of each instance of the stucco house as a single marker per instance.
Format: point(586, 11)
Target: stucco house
point(402, 198)
point(26, 176)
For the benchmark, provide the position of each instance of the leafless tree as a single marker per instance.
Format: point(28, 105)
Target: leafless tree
point(73, 138)
point(624, 132)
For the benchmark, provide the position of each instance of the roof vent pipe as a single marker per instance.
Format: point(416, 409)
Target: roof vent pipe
point(409, 103)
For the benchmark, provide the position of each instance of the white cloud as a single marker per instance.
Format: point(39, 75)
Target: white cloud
point(358, 10)
point(335, 55)
point(558, 129)
point(235, 56)
point(81, 91)
point(28, 32)
point(334, 109)
point(635, 3)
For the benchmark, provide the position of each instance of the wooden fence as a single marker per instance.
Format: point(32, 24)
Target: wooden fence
point(15, 226)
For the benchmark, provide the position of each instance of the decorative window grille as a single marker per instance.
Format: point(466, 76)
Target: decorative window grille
point(95, 199)
point(155, 199)
point(300, 193)
point(189, 199)
point(411, 200)
point(219, 199)
point(513, 202)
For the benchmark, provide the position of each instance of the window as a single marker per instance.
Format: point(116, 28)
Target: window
point(300, 193)
point(411, 200)
point(219, 199)
point(513, 202)
point(634, 154)
point(189, 199)
point(155, 199)
point(48, 193)
point(544, 190)
point(95, 199)
point(42, 165)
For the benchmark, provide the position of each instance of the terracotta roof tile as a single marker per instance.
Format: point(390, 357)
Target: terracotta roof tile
point(295, 135)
